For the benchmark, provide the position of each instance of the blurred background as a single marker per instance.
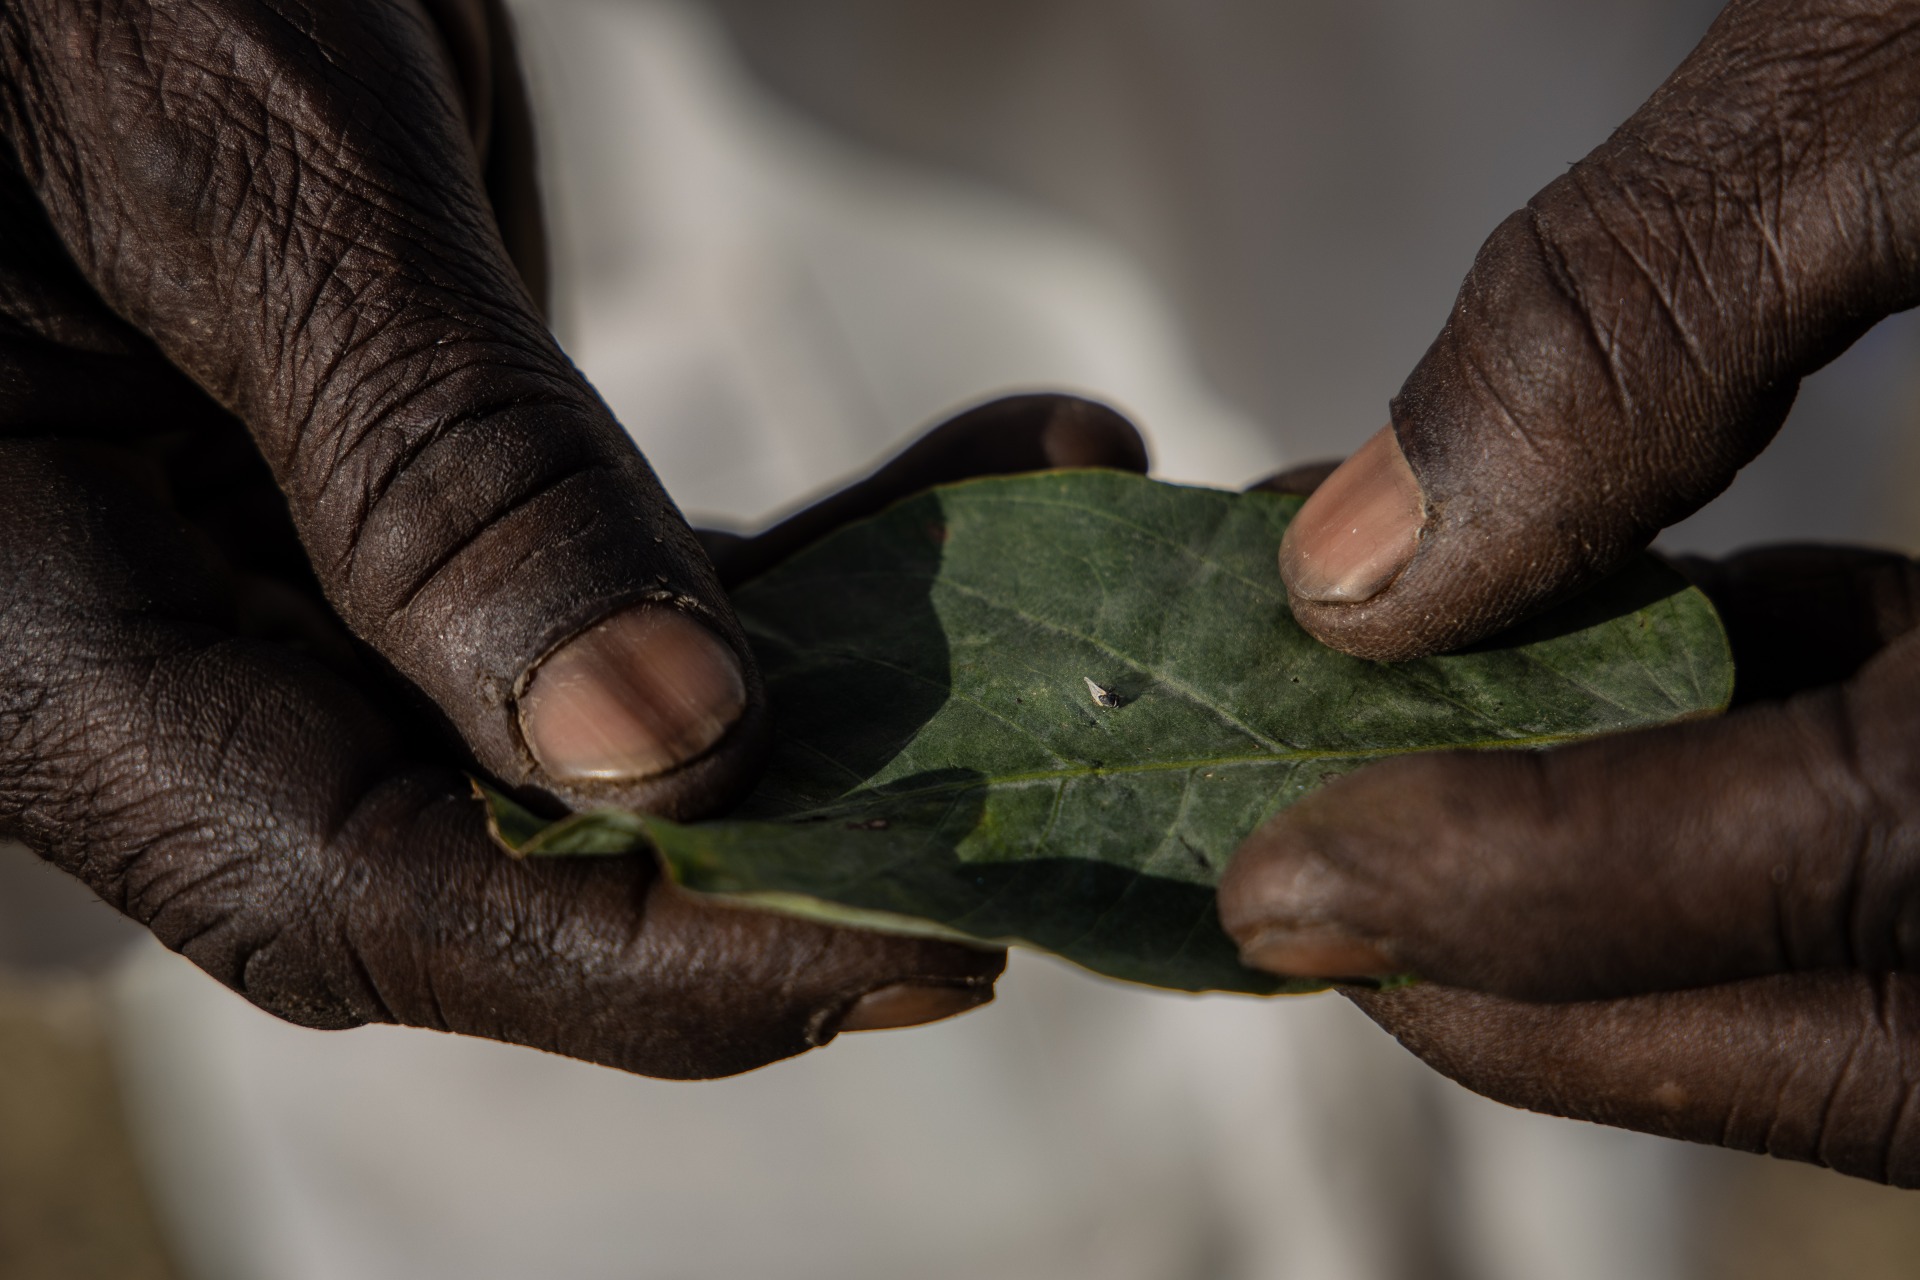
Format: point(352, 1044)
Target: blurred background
point(788, 234)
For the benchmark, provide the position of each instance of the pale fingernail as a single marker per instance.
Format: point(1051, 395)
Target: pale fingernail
point(644, 691)
point(1316, 951)
point(907, 1004)
point(1358, 530)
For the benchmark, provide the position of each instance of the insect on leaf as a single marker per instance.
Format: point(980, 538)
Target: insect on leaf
point(1045, 709)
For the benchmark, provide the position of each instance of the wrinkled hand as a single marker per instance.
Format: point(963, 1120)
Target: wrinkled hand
point(302, 513)
point(1712, 930)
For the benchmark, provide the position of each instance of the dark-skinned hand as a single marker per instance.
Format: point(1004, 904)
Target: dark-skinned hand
point(1712, 930)
point(303, 514)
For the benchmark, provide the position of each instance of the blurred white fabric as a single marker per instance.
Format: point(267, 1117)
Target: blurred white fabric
point(770, 306)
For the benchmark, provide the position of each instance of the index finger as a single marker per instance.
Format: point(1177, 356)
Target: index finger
point(1777, 839)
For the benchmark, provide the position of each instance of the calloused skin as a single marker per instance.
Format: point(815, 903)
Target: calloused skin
point(298, 495)
point(1712, 930)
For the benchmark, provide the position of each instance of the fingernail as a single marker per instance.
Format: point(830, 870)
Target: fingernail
point(1358, 530)
point(907, 1004)
point(1317, 951)
point(644, 691)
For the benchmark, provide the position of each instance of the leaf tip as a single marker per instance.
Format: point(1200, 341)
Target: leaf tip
point(508, 824)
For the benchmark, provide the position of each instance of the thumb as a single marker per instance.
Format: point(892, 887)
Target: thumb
point(1635, 335)
point(286, 198)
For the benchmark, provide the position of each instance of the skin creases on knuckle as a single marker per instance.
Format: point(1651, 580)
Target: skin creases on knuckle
point(1792, 120)
point(1812, 1067)
point(1866, 761)
point(405, 911)
point(389, 341)
point(236, 899)
point(213, 812)
point(1847, 85)
point(1734, 214)
point(1684, 324)
point(1847, 1106)
point(235, 918)
point(438, 929)
point(240, 150)
point(391, 524)
point(398, 370)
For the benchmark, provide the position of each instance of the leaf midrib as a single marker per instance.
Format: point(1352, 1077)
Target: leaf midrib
point(859, 801)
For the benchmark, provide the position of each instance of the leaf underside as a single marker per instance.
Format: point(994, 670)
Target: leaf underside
point(944, 763)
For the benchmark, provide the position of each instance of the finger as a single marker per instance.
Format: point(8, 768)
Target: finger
point(1003, 437)
point(1815, 1067)
point(287, 199)
point(1781, 838)
point(1630, 339)
point(251, 809)
point(1800, 617)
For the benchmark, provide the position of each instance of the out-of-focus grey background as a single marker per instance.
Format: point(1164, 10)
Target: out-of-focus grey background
point(788, 233)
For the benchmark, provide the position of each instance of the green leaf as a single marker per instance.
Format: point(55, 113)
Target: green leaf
point(945, 761)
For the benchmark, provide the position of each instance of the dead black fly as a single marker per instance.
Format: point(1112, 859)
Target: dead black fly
point(1102, 696)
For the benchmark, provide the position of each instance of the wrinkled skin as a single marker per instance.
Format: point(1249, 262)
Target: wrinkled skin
point(1710, 931)
point(295, 492)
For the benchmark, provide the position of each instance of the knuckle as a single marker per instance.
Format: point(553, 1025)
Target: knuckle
point(1851, 1109)
point(502, 534)
point(404, 495)
point(1855, 877)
